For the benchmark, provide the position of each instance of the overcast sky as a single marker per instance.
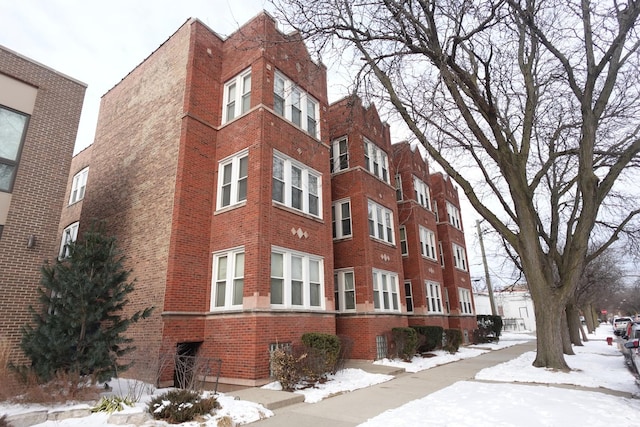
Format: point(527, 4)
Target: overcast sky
point(100, 43)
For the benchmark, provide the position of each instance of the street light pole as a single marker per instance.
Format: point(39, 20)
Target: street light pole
point(486, 270)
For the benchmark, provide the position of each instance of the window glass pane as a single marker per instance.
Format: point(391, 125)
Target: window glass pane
point(336, 291)
point(242, 189)
point(239, 268)
point(333, 221)
point(276, 265)
point(295, 107)
point(222, 268)
point(246, 93)
point(314, 295)
point(296, 268)
point(345, 210)
point(6, 176)
point(276, 291)
point(296, 292)
point(278, 179)
point(314, 271)
point(238, 288)
point(220, 291)
point(11, 129)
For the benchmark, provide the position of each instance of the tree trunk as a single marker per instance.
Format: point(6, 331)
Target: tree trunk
point(566, 340)
point(549, 335)
point(573, 321)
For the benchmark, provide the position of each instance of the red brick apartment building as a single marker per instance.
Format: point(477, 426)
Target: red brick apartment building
point(39, 115)
point(222, 170)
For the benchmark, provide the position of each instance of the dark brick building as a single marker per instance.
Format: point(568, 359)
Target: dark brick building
point(39, 115)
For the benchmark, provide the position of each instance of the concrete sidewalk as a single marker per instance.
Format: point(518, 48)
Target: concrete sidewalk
point(356, 407)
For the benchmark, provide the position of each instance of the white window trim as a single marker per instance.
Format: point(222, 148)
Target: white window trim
point(399, 193)
point(240, 93)
point(69, 235)
point(336, 156)
point(404, 246)
point(421, 193)
point(453, 216)
point(305, 99)
point(434, 297)
point(374, 211)
point(408, 296)
point(234, 161)
point(459, 257)
point(428, 243)
point(306, 282)
point(340, 291)
point(337, 219)
point(441, 253)
point(375, 154)
point(391, 291)
point(79, 186)
point(229, 279)
point(288, 162)
point(465, 301)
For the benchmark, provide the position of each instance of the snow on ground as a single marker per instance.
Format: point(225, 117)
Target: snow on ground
point(509, 399)
point(515, 403)
point(343, 381)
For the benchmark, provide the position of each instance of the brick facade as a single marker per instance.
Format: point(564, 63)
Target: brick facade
point(52, 101)
point(208, 195)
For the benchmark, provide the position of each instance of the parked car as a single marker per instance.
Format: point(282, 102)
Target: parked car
point(620, 325)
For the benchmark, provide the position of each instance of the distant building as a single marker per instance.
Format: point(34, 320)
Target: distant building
point(251, 211)
point(39, 115)
point(514, 305)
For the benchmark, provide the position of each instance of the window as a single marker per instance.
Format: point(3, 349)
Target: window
point(428, 243)
point(465, 301)
point(399, 195)
point(403, 241)
point(441, 254)
point(459, 257)
point(78, 186)
point(434, 297)
point(237, 96)
point(453, 215)
point(296, 186)
point(228, 279)
point(376, 161)
point(422, 193)
point(69, 235)
point(341, 219)
point(232, 180)
point(435, 211)
point(295, 105)
point(296, 280)
point(380, 222)
point(385, 291)
point(446, 301)
point(344, 290)
point(13, 127)
point(339, 155)
point(408, 296)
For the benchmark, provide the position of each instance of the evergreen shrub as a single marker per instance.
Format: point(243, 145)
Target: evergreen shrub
point(433, 336)
point(452, 340)
point(325, 346)
point(406, 340)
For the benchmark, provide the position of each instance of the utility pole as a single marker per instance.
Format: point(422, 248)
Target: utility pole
point(486, 270)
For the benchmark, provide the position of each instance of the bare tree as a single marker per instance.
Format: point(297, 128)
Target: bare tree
point(531, 106)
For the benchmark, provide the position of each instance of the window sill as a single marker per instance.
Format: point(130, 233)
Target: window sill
point(230, 207)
